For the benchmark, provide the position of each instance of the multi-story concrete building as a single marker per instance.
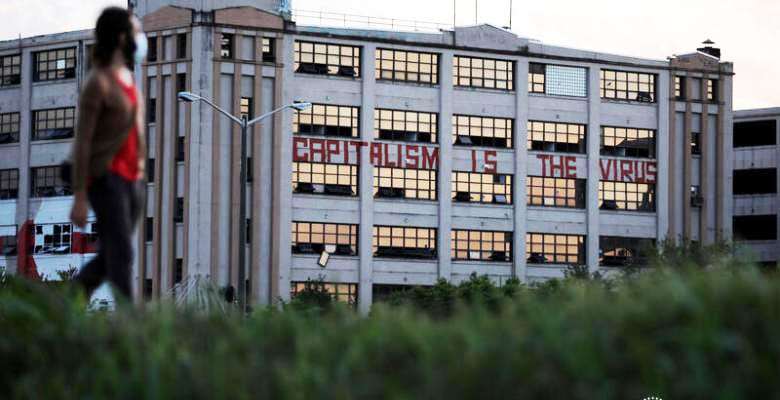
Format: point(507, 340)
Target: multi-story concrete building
point(756, 201)
point(424, 156)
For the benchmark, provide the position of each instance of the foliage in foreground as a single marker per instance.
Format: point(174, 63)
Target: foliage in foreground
point(669, 333)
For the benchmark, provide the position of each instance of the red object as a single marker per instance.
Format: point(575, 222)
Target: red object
point(125, 162)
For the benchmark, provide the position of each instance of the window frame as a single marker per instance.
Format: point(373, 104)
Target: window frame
point(338, 294)
point(680, 90)
point(391, 233)
point(484, 238)
point(556, 133)
point(227, 46)
point(638, 259)
point(552, 250)
point(64, 239)
point(68, 120)
point(458, 66)
point(483, 196)
point(470, 128)
point(9, 244)
point(181, 51)
point(543, 80)
point(353, 177)
point(10, 70)
point(628, 83)
point(627, 203)
point(52, 174)
point(339, 116)
point(336, 237)
point(417, 120)
point(9, 184)
point(395, 60)
point(713, 95)
point(10, 125)
point(620, 149)
point(67, 71)
point(268, 49)
point(342, 69)
point(579, 199)
point(395, 190)
point(152, 54)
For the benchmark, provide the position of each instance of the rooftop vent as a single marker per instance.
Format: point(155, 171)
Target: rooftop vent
point(709, 49)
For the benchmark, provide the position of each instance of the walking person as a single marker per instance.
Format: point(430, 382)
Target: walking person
point(109, 151)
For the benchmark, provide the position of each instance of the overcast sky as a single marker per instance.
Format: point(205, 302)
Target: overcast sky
point(746, 30)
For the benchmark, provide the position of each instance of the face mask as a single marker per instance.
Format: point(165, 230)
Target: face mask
point(141, 47)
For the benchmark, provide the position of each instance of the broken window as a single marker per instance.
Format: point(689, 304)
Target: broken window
point(321, 178)
point(327, 59)
point(628, 196)
point(52, 239)
point(181, 45)
point(268, 50)
point(407, 126)
point(52, 65)
point(47, 182)
point(555, 192)
point(483, 73)
point(404, 242)
point(617, 251)
point(627, 142)
point(327, 120)
point(343, 292)
point(481, 245)
point(313, 237)
point(405, 183)
point(556, 137)
point(625, 85)
point(550, 248)
point(473, 187)
point(471, 130)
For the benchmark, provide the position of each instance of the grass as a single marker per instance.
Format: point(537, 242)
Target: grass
point(686, 332)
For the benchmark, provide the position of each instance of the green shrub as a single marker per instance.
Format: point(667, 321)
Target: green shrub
point(675, 333)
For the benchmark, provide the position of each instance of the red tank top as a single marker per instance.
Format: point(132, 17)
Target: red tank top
point(125, 162)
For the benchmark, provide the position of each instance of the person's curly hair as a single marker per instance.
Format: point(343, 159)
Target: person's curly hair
point(112, 23)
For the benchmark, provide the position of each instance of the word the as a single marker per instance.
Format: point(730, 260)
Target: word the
point(558, 166)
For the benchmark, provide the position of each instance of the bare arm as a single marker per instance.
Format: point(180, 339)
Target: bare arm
point(90, 105)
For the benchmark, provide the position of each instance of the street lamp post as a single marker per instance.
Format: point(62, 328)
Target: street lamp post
point(244, 123)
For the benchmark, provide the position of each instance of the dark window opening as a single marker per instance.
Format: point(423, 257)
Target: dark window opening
point(150, 170)
point(627, 142)
point(755, 227)
point(383, 292)
point(181, 82)
point(180, 148)
point(755, 133)
point(149, 229)
point(178, 274)
point(151, 111)
point(755, 181)
point(624, 252)
point(269, 51)
point(151, 55)
point(249, 170)
point(181, 45)
point(695, 143)
point(697, 199)
point(249, 231)
point(226, 46)
point(178, 211)
point(148, 288)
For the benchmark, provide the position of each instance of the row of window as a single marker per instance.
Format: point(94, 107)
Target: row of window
point(469, 187)
point(475, 72)
point(467, 245)
point(49, 124)
point(51, 239)
point(681, 89)
point(472, 130)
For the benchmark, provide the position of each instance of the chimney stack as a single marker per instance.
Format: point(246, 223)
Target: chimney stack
point(708, 49)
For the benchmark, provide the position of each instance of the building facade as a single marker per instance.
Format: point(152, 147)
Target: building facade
point(424, 155)
point(756, 201)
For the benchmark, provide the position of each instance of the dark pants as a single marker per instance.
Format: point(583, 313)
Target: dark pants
point(117, 205)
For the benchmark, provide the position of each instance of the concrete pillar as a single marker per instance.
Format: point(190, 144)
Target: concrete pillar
point(445, 166)
point(521, 165)
point(593, 150)
point(25, 133)
point(366, 181)
point(662, 186)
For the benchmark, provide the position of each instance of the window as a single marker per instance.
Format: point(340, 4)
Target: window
point(52, 124)
point(250, 177)
point(89, 52)
point(557, 137)
point(697, 199)
point(46, 182)
point(679, 87)
point(556, 192)
point(52, 239)
point(405, 183)
point(481, 188)
point(248, 233)
point(549, 248)
point(151, 111)
point(755, 181)
point(180, 147)
point(712, 90)
point(181, 45)
point(327, 59)
point(627, 142)
point(557, 80)
point(623, 85)
point(481, 245)
point(404, 242)
point(472, 130)
point(10, 70)
point(149, 229)
point(755, 133)
point(53, 65)
point(178, 271)
point(245, 107)
point(327, 120)
point(226, 48)
point(695, 93)
point(313, 237)
point(178, 210)
point(483, 73)
point(695, 143)
point(9, 184)
point(150, 170)
point(407, 66)
point(320, 178)
point(268, 50)
point(626, 196)
point(617, 251)
point(152, 54)
point(755, 227)
point(9, 128)
point(181, 82)
point(343, 292)
point(408, 126)
point(8, 243)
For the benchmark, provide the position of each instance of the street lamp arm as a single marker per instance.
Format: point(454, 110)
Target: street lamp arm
point(266, 115)
point(218, 108)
